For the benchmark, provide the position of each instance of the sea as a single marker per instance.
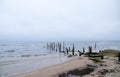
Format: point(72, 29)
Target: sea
point(16, 58)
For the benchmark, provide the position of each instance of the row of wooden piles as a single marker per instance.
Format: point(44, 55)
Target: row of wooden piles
point(61, 48)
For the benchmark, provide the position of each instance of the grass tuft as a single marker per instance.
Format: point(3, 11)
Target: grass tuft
point(110, 52)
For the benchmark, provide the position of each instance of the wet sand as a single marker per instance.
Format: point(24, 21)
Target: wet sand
point(55, 70)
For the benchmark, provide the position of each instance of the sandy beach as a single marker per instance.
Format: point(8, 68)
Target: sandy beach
point(54, 71)
point(78, 66)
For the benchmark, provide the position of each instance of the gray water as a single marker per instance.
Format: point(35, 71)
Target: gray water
point(40, 48)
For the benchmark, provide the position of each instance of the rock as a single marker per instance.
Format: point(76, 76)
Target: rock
point(103, 65)
point(63, 75)
point(111, 70)
point(103, 71)
point(117, 69)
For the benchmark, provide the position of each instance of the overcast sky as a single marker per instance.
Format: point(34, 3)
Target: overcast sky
point(40, 20)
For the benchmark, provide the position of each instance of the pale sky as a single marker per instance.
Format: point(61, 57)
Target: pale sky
point(41, 20)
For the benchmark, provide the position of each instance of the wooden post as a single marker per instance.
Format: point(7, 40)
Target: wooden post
point(63, 46)
point(67, 50)
point(79, 53)
point(119, 57)
point(73, 50)
point(59, 47)
point(100, 51)
point(83, 50)
point(102, 56)
point(56, 47)
point(95, 45)
point(90, 50)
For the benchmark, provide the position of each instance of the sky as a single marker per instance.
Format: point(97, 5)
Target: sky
point(45, 20)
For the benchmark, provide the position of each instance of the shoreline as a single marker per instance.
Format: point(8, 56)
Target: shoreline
point(53, 71)
point(78, 66)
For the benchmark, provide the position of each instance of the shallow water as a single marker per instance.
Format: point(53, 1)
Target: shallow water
point(18, 65)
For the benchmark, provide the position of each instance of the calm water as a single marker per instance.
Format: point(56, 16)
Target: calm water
point(14, 57)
